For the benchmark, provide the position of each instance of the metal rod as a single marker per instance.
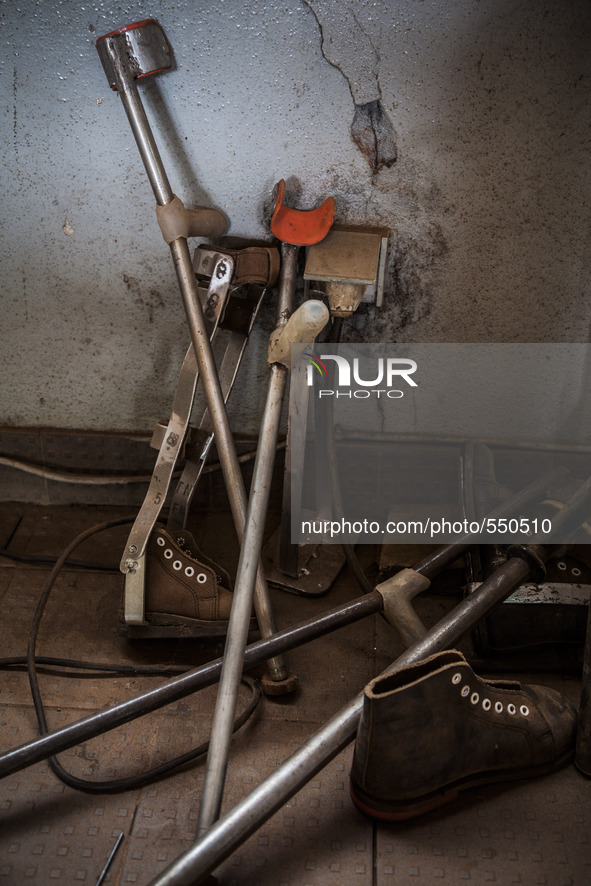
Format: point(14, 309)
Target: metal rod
point(225, 709)
point(221, 734)
point(109, 861)
point(247, 816)
point(53, 743)
point(127, 88)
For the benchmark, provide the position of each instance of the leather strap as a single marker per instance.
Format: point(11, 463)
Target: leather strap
point(252, 264)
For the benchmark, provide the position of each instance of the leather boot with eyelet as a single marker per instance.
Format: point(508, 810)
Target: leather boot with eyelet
point(433, 729)
point(187, 594)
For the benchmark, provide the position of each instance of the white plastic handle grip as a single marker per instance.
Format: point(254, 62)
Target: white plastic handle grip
point(302, 328)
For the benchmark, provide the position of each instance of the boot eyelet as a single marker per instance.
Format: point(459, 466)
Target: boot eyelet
point(499, 707)
point(202, 578)
point(168, 554)
point(465, 691)
point(177, 565)
point(524, 710)
point(160, 541)
point(474, 698)
point(456, 678)
point(511, 709)
point(189, 572)
point(486, 704)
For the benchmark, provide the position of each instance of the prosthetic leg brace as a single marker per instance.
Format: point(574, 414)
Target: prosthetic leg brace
point(128, 54)
point(233, 312)
point(134, 556)
point(258, 267)
point(299, 328)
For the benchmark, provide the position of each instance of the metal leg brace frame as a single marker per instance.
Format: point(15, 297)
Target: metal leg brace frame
point(173, 438)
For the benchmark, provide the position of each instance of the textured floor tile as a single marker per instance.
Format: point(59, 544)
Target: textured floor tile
point(49, 832)
point(536, 831)
point(533, 832)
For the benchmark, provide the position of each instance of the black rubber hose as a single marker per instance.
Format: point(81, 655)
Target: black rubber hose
point(133, 781)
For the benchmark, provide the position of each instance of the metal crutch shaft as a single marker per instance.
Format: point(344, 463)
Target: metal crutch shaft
point(247, 816)
point(233, 662)
point(221, 732)
point(148, 149)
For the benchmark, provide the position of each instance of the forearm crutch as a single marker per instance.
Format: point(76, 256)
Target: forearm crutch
point(298, 328)
point(128, 54)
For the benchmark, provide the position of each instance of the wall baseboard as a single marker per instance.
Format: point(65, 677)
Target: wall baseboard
point(80, 453)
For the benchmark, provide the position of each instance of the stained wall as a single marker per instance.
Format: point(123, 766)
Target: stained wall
point(464, 126)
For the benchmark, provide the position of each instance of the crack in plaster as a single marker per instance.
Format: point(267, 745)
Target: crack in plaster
point(346, 46)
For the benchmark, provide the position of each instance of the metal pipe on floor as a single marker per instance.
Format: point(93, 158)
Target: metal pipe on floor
point(229, 832)
point(179, 687)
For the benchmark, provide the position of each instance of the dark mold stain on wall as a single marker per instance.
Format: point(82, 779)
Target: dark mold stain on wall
point(374, 135)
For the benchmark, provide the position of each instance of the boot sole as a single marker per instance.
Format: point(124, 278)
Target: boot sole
point(403, 810)
point(175, 627)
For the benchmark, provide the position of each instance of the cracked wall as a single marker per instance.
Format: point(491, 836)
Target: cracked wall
point(347, 46)
point(463, 127)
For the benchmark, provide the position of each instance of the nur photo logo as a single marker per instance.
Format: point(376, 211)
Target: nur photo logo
point(360, 379)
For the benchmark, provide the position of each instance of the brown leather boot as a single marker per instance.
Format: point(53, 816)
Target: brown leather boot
point(433, 729)
point(187, 594)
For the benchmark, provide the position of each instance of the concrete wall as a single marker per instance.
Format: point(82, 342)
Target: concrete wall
point(463, 125)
